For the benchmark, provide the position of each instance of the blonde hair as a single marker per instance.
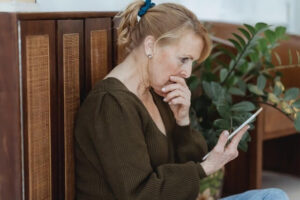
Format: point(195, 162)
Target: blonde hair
point(165, 22)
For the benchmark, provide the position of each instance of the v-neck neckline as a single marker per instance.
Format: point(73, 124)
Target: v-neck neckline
point(144, 107)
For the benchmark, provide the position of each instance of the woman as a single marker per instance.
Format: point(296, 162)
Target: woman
point(132, 134)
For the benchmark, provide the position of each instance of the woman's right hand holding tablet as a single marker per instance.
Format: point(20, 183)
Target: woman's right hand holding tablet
point(222, 153)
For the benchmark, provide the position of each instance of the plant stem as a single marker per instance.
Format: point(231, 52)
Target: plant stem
point(237, 61)
point(249, 78)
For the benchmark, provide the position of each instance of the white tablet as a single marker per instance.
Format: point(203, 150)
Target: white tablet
point(240, 127)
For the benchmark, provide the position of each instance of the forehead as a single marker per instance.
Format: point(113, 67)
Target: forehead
point(188, 44)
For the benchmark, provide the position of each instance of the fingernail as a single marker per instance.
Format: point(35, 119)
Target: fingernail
point(248, 126)
point(165, 99)
point(226, 133)
point(163, 89)
point(171, 77)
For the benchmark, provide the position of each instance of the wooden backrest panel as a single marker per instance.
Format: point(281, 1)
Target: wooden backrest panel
point(62, 56)
point(10, 121)
point(98, 40)
point(99, 64)
point(70, 73)
point(39, 106)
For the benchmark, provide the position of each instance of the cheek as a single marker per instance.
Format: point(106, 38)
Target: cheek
point(168, 64)
point(163, 67)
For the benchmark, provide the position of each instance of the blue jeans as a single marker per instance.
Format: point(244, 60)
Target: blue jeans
point(263, 194)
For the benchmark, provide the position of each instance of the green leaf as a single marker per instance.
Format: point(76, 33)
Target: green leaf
point(236, 91)
point(223, 74)
point(260, 25)
point(291, 93)
point(296, 104)
point(273, 98)
point(245, 33)
point(242, 85)
point(261, 82)
point(232, 80)
point(254, 89)
point(236, 44)
point(280, 31)
point(263, 45)
point(193, 82)
point(254, 56)
point(244, 106)
point(222, 124)
point(270, 35)
point(240, 118)
point(250, 28)
point(207, 89)
point(214, 91)
point(240, 39)
point(297, 122)
point(278, 89)
point(224, 110)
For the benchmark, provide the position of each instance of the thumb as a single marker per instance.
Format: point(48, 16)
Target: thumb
point(222, 140)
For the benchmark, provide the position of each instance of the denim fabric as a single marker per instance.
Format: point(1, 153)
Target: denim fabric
point(263, 194)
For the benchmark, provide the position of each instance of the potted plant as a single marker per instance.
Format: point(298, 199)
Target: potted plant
point(231, 83)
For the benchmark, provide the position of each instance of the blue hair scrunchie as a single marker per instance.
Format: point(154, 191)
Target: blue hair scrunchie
point(148, 4)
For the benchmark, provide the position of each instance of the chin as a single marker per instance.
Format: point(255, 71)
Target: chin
point(157, 88)
point(159, 92)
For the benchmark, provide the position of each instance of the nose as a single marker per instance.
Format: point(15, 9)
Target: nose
point(186, 71)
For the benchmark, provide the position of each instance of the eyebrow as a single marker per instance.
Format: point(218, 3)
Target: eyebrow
point(189, 56)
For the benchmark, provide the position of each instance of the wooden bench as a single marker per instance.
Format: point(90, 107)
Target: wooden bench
point(49, 62)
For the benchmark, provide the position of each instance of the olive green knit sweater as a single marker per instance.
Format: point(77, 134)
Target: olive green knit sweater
point(121, 154)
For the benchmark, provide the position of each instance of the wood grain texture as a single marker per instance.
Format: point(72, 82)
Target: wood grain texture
point(98, 40)
point(38, 115)
point(10, 122)
point(99, 64)
point(40, 106)
point(71, 87)
point(71, 105)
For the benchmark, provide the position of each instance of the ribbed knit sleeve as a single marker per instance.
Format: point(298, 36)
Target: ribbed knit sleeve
point(119, 142)
point(189, 144)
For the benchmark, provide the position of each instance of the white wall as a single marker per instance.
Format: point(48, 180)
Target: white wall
point(277, 12)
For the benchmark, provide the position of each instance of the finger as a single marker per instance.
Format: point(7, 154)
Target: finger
point(236, 139)
point(174, 86)
point(173, 94)
point(222, 141)
point(179, 100)
point(179, 80)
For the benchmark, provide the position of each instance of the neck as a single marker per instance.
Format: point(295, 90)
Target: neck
point(133, 71)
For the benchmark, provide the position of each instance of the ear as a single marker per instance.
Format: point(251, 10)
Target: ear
point(149, 45)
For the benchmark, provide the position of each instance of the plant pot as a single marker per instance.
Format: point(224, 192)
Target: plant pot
point(211, 186)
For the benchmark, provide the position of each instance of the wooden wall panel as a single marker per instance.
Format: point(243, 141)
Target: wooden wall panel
point(98, 38)
point(71, 75)
point(10, 122)
point(39, 97)
point(118, 53)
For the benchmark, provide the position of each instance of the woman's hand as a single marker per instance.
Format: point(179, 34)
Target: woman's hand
point(222, 154)
point(178, 96)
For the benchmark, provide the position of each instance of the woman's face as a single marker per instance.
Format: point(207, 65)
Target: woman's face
point(174, 60)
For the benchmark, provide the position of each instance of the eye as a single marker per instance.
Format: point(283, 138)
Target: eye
point(184, 60)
